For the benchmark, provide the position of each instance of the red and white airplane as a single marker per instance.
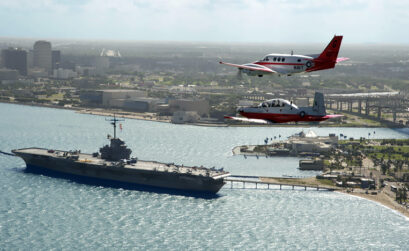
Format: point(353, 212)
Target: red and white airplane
point(288, 64)
point(283, 111)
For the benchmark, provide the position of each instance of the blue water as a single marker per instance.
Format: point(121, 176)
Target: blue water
point(39, 212)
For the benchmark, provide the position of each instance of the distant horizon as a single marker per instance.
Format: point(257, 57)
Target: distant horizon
point(300, 43)
point(224, 21)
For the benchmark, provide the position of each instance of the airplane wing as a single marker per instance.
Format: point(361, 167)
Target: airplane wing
point(259, 121)
point(252, 67)
point(341, 59)
point(332, 116)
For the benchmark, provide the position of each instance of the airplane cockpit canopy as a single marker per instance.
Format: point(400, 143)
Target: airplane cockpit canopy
point(278, 102)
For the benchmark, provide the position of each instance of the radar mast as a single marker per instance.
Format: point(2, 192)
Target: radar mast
point(113, 123)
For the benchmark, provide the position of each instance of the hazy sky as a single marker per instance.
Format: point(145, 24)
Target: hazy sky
point(374, 21)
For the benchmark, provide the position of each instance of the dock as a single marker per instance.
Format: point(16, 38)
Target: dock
point(254, 182)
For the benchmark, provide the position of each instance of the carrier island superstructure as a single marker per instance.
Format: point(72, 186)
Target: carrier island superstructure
point(113, 164)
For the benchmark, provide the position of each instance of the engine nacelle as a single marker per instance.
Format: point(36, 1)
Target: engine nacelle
point(250, 72)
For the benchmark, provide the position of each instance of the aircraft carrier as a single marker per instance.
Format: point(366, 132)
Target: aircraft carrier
point(113, 165)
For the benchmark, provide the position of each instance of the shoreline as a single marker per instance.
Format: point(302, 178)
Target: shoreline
point(144, 116)
point(382, 199)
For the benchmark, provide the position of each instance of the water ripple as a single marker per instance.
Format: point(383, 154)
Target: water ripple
point(39, 212)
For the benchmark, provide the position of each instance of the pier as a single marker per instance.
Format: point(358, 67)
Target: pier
point(254, 182)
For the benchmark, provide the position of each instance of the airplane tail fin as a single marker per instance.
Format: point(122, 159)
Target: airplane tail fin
point(319, 105)
point(331, 51)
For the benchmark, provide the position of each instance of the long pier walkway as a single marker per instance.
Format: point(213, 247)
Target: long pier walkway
point(254, 182)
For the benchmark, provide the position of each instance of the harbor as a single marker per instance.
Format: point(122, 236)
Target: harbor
point(144, 219)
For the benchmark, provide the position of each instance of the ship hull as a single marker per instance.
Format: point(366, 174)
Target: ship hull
point(121, 177)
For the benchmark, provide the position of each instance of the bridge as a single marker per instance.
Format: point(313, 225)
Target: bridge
point(365, 103)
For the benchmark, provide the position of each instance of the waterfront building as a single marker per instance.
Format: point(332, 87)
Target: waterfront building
point(312, 137)
point(181, 117)
point(109, 96)
point(42, 55)
point(200, 106)
point(311, 142)
point(91, 98)
point(112, 98)
point(142, 104)
point(16, 59)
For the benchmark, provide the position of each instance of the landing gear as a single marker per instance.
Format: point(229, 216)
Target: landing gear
point(259, 76)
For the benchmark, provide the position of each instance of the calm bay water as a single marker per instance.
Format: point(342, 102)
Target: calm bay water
point(38, 212)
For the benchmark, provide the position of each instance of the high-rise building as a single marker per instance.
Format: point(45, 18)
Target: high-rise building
point(101, 65)
point(42, 56)
point(56, 59)
point(15, 59)
point(30, 59)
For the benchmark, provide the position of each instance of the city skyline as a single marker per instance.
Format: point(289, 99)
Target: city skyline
point(270, 21)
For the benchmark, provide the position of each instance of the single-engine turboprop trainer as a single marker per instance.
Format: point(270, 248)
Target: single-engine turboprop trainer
point(283, 111)
point(288, 64)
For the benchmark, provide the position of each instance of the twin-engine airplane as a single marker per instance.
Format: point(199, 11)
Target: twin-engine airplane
point(283, 111)
point(288, 64)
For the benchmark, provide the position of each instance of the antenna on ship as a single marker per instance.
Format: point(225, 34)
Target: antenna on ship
point(113, 122)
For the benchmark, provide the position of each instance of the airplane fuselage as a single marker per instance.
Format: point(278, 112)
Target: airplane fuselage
point(282, 115)
point(282, 111)
point(287, 63)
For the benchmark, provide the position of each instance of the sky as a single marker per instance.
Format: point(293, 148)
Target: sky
point(277, 21)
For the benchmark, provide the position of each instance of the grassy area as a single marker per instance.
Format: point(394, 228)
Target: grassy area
point(394, 156)
point(400, 149)
point(56, 96)
point(325, 182)
point(391, 149)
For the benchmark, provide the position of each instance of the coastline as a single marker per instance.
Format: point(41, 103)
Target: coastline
point(153, 117)
point(381, 198)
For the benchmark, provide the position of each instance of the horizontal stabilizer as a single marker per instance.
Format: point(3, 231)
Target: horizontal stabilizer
point(332, 116)
point(259, 121)
point(342, 59)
